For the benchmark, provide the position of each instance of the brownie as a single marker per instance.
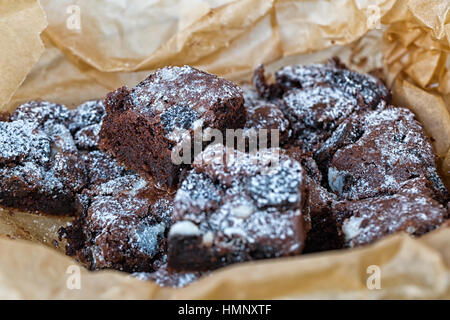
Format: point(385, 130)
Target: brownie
point(50, 154)
point(317, 98)
point(86, 114)
point(367, 89)
point(411, 210)
point(120, 224)
point(314, 113)
point(42, 112)
point(101, 168)
point(235, 207)
point(263, 114)
point(321, 227)
point(391, 149)
point(40, 169)
point(144, 124)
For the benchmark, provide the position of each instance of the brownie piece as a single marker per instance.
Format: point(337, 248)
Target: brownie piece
point(143, 124)
point(4, 117)
point(42, 112)
point(321, 227)
point(120, 224)
point(367, 89)
point(85, 123)
point(317, 98)
point(391, 149)
point(323, 233)
point(50, 154)
point(411, 210)
point(263, 114)
point(38, 169)
point(235, 207)
point(101, 168)
point(86, 114)
point(314, 113)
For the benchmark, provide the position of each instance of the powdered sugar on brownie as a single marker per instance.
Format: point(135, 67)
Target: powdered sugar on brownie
point(185, 86)
point(392, 149)
point(262, 114)
point(21, 141)
point(41, 112)
point(365, 87)
point(372, 219)
point(86, 114)
point(319, 107)
point(241, 209)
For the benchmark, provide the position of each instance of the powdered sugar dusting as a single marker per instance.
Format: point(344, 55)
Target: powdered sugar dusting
point(41, 112)
point(372, 219)
point(186, 86)
point(392, 149)
point(21, 141)
point(253, 205)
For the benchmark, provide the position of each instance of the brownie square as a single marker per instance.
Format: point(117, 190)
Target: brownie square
point(120, 224)
point(40, 169)
point(235, 207)
point(390, 149)
point(367, 89)
point(412, 210)
point(317, 98)
point(144, 124)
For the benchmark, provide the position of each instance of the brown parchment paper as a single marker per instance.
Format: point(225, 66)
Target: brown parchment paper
point(112, 44)
point(21, 23)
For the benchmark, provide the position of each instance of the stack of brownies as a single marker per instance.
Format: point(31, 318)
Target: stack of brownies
point(346, 168)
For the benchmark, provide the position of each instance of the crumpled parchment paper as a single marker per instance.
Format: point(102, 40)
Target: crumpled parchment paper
point(92, 47)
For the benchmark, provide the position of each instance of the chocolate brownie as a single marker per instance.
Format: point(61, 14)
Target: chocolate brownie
point(314, 113)
point(42, 112)
point(321, 228)
point(101, 168)
point(39, 163)
point(50, 154)
point(389, 148)
point(367, 89)
point(411, 210)
point(266, 115)
point(120, 224)
point(235, 207)
point(85, 124)
point(317, 98)
point(143, 124)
